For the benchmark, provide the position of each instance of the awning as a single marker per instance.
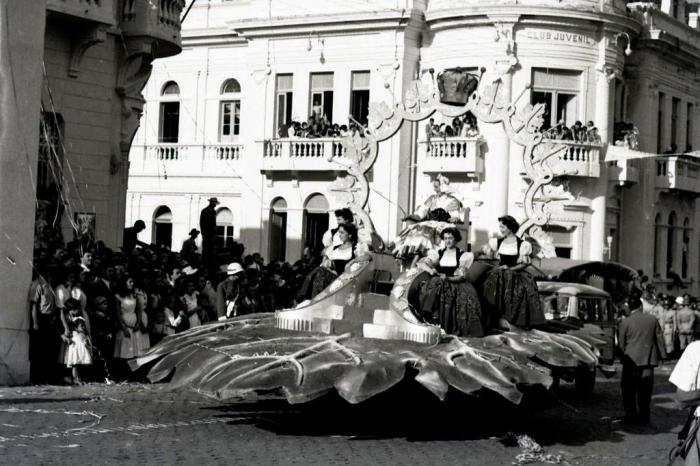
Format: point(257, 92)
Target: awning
point(579, 271)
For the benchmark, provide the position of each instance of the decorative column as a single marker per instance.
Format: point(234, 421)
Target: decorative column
point(21, 54)
point(605, 79)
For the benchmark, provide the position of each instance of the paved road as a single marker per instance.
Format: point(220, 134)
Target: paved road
point(147, 424)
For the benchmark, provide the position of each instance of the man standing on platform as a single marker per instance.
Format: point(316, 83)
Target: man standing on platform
point(207, 225)
point(642, 344)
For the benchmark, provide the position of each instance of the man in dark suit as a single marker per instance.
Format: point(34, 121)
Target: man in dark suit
point(207, 225)
point(130, 239)
point(642, 343)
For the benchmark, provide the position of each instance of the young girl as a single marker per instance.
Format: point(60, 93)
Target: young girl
point(79, 350)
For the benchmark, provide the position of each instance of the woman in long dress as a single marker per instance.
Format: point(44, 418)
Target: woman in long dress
point(441, 210)
point(446, 297)
point(131, 339)
point(335, 258)
point(509, 289)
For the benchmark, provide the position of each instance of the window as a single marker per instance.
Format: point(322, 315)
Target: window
point(321, 102)
point(278, 229)
point(689, 128)
point(660, 133)
point(162, 227)
point(359, 96)
point(670, 242)
point(229, 111)
point(675, 106)
point(315, 221)
point(169, 128)
point(562, 239)
point(230, 116)
point(558, 90)
point(283, 101)
point(224, 228)
point(685, 252)
point(230, 86)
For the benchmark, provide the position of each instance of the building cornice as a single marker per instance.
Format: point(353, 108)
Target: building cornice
point(331, 23)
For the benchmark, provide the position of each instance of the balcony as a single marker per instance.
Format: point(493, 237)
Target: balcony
point(185, 159)
point(678, 173)
point(623, 164)
point(96, 11)
point(580, 159)
point(299, 155)
point(439, 7)
point(452, 155)
point(154, 20)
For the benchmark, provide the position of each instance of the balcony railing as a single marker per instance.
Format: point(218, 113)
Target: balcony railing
point(452, 155)
point(297, 154)
point(185, 159)
point(579, 159)
point(156, 19)
point(678, 173)
point(585, 5)
point(98, 11)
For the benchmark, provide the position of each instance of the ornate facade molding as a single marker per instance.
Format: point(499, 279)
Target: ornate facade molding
point(92, 36)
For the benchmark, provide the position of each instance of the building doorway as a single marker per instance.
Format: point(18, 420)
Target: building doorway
point(278, 230)
point(163, 227)
point(315, 222)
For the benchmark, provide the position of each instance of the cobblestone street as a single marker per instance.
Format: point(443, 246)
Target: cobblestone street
point(147, 424)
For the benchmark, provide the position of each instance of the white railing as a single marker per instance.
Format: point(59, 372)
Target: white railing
point(579, 159)
point(452, 155)
point(301, 154)
point(588, 5)
point(678, 173)
point(183, 158)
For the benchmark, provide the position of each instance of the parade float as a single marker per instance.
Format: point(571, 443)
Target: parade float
point(359, 340)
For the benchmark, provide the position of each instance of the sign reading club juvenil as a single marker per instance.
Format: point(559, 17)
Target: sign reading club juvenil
point(548, 35)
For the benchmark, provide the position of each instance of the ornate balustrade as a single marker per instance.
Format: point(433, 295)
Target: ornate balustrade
point(584, 5)
point(452, 155)
point(154, 19)
point(300, 154)
point(580, 159)
point(98, 11)
point(185, 159)
point(678, 173)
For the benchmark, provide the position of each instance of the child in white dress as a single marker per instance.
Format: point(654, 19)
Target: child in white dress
point(79, 351)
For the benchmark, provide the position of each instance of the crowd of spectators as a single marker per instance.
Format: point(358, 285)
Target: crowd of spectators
point(678, 316)
point(320, 127)
point(462, 126)
point(93, 308)
point(578, 132)
point(626, 135)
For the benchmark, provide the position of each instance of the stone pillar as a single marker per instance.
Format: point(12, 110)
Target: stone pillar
point(21, 55)
point(497, 160)
point(598, 201)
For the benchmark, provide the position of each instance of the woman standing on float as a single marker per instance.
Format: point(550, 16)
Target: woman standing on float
point(509, 289)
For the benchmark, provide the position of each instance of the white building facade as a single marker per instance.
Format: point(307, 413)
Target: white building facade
point(212, 115)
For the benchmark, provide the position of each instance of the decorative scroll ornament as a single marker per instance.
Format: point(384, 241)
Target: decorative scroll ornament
point(421, 100)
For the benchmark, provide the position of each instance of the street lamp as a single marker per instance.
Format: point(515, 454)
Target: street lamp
point(628, 49)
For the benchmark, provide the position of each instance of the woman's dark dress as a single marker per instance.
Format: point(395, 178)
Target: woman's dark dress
point(453, 305)
point(323, 277)
point(512, 294)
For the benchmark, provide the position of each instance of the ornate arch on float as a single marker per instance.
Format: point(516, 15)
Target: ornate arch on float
point(421, 100)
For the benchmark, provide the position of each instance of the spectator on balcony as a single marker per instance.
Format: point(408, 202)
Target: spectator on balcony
point(469, 130)
point(672, 150)
point(593, 136)
point(317, 110)
point(577, 131)
point(429, 134)
point(457, 125)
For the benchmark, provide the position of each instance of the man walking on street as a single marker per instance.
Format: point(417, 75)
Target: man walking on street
point(642, 344)
point(207, 225)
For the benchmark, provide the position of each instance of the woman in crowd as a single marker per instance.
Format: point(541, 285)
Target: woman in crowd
point(131, 339)
point(447, 298)
point(509, 289)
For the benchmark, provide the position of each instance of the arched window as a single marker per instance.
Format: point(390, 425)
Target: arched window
point(224, 228)
point(671, 242)
point(170, 88)
point(230, 86)
point(163, 227)
point(278, 229)
point(685, 252)
point(169, 127)
point(657, 244)
point(315, 221)
point(229, 111)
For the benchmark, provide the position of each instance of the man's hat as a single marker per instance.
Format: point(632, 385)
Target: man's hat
point(680, 300)
point(234, 268)
point(194, 231)
point(213, 199)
